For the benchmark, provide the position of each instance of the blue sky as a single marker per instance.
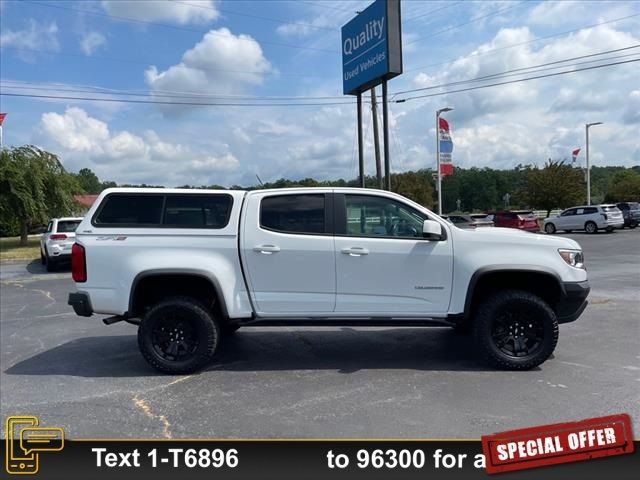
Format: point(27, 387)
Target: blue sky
point(284, 48)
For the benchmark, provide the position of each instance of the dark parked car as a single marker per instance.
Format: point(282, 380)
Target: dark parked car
point(468, 221)
point(630, 213)
point(520, 219)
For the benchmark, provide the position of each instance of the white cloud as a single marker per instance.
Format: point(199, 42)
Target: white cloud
point(128, 157)
point(221, 63)
point(305, 28)
point(632, 112)
point(194, 11)
point(36, 36)
point(92, 41)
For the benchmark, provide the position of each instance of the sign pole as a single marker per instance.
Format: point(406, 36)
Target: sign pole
point(439, 176)
point(385, 133)
point(360, 146)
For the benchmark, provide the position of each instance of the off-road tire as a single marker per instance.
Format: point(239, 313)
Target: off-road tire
point(525, 307)
point(181, 310)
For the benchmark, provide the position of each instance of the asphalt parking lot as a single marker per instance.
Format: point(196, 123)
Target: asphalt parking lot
point(319, 382)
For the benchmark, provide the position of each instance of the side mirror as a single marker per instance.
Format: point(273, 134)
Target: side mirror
point(432, 230)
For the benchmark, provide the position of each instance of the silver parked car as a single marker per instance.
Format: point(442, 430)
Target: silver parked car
point(589, 218)
point(56, 242)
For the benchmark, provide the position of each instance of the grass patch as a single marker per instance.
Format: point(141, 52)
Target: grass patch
point(10, 248)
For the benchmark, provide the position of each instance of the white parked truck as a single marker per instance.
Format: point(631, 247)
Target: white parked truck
point(189, 266)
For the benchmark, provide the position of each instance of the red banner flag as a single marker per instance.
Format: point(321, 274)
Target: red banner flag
point(2, 115)
point(446, 169)
point(575, 154)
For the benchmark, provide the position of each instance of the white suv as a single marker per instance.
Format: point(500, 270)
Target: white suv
point(56, 242)
point(589, 218)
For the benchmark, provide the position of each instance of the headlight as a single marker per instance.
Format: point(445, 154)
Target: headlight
point(575, 258)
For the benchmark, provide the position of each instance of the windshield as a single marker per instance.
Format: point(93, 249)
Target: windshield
point(68, 226)
point(610, 208)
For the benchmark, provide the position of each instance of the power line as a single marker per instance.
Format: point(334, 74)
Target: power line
point(322, 5)
point(153, 94)
point(522, 69)
point(249, 15)
point(164, 94)
point(175, 27)
point(535, 40)
point(192, 104)
point(445, 7)
point(454, 27)
point(515, 81)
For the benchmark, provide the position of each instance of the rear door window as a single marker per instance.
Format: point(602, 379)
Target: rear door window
point(294, 213)
point(590, 210)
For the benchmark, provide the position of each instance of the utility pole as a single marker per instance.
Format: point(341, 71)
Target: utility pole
point(376, 137)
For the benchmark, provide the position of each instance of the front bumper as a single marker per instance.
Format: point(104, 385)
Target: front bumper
point(81, 304)
point(573, 301)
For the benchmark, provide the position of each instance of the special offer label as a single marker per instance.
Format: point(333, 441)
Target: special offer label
point(558, 443)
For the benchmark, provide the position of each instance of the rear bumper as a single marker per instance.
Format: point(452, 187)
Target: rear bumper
point(573, 301)
point(81, 304)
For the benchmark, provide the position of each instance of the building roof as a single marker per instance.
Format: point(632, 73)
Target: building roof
point(85, 200)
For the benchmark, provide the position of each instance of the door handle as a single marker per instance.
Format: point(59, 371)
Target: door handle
point(266, 249)
point(355, 251)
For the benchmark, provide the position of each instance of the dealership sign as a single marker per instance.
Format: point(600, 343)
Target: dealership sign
point(371, 47)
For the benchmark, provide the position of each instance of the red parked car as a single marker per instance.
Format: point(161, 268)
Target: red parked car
point(520, 219)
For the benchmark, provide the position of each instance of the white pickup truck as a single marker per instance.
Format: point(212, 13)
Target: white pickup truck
point(189, 266)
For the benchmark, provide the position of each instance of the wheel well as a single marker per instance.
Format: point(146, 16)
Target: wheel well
point(544, 285)
point(151, 289)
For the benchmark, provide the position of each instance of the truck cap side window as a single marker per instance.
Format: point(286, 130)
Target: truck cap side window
point(168, 211)
point(293, 213)
point(197, 211)
point(131, 210)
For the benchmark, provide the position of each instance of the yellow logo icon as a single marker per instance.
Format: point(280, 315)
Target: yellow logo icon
point(25, 440)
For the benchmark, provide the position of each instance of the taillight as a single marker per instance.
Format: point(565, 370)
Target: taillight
point(58, 236)
point(604, 215)
point(78, 263)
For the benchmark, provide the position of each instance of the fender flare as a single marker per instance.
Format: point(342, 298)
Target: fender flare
point(524, 268)
point(194, 272)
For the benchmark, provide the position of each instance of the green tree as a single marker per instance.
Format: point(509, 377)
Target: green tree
point(414, 185)
point(89, 181)
point(625, 186)
point(555, 186)
point(34, 187)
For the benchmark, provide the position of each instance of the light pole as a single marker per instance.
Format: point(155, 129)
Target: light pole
point(586, 129)
point(439, 176)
